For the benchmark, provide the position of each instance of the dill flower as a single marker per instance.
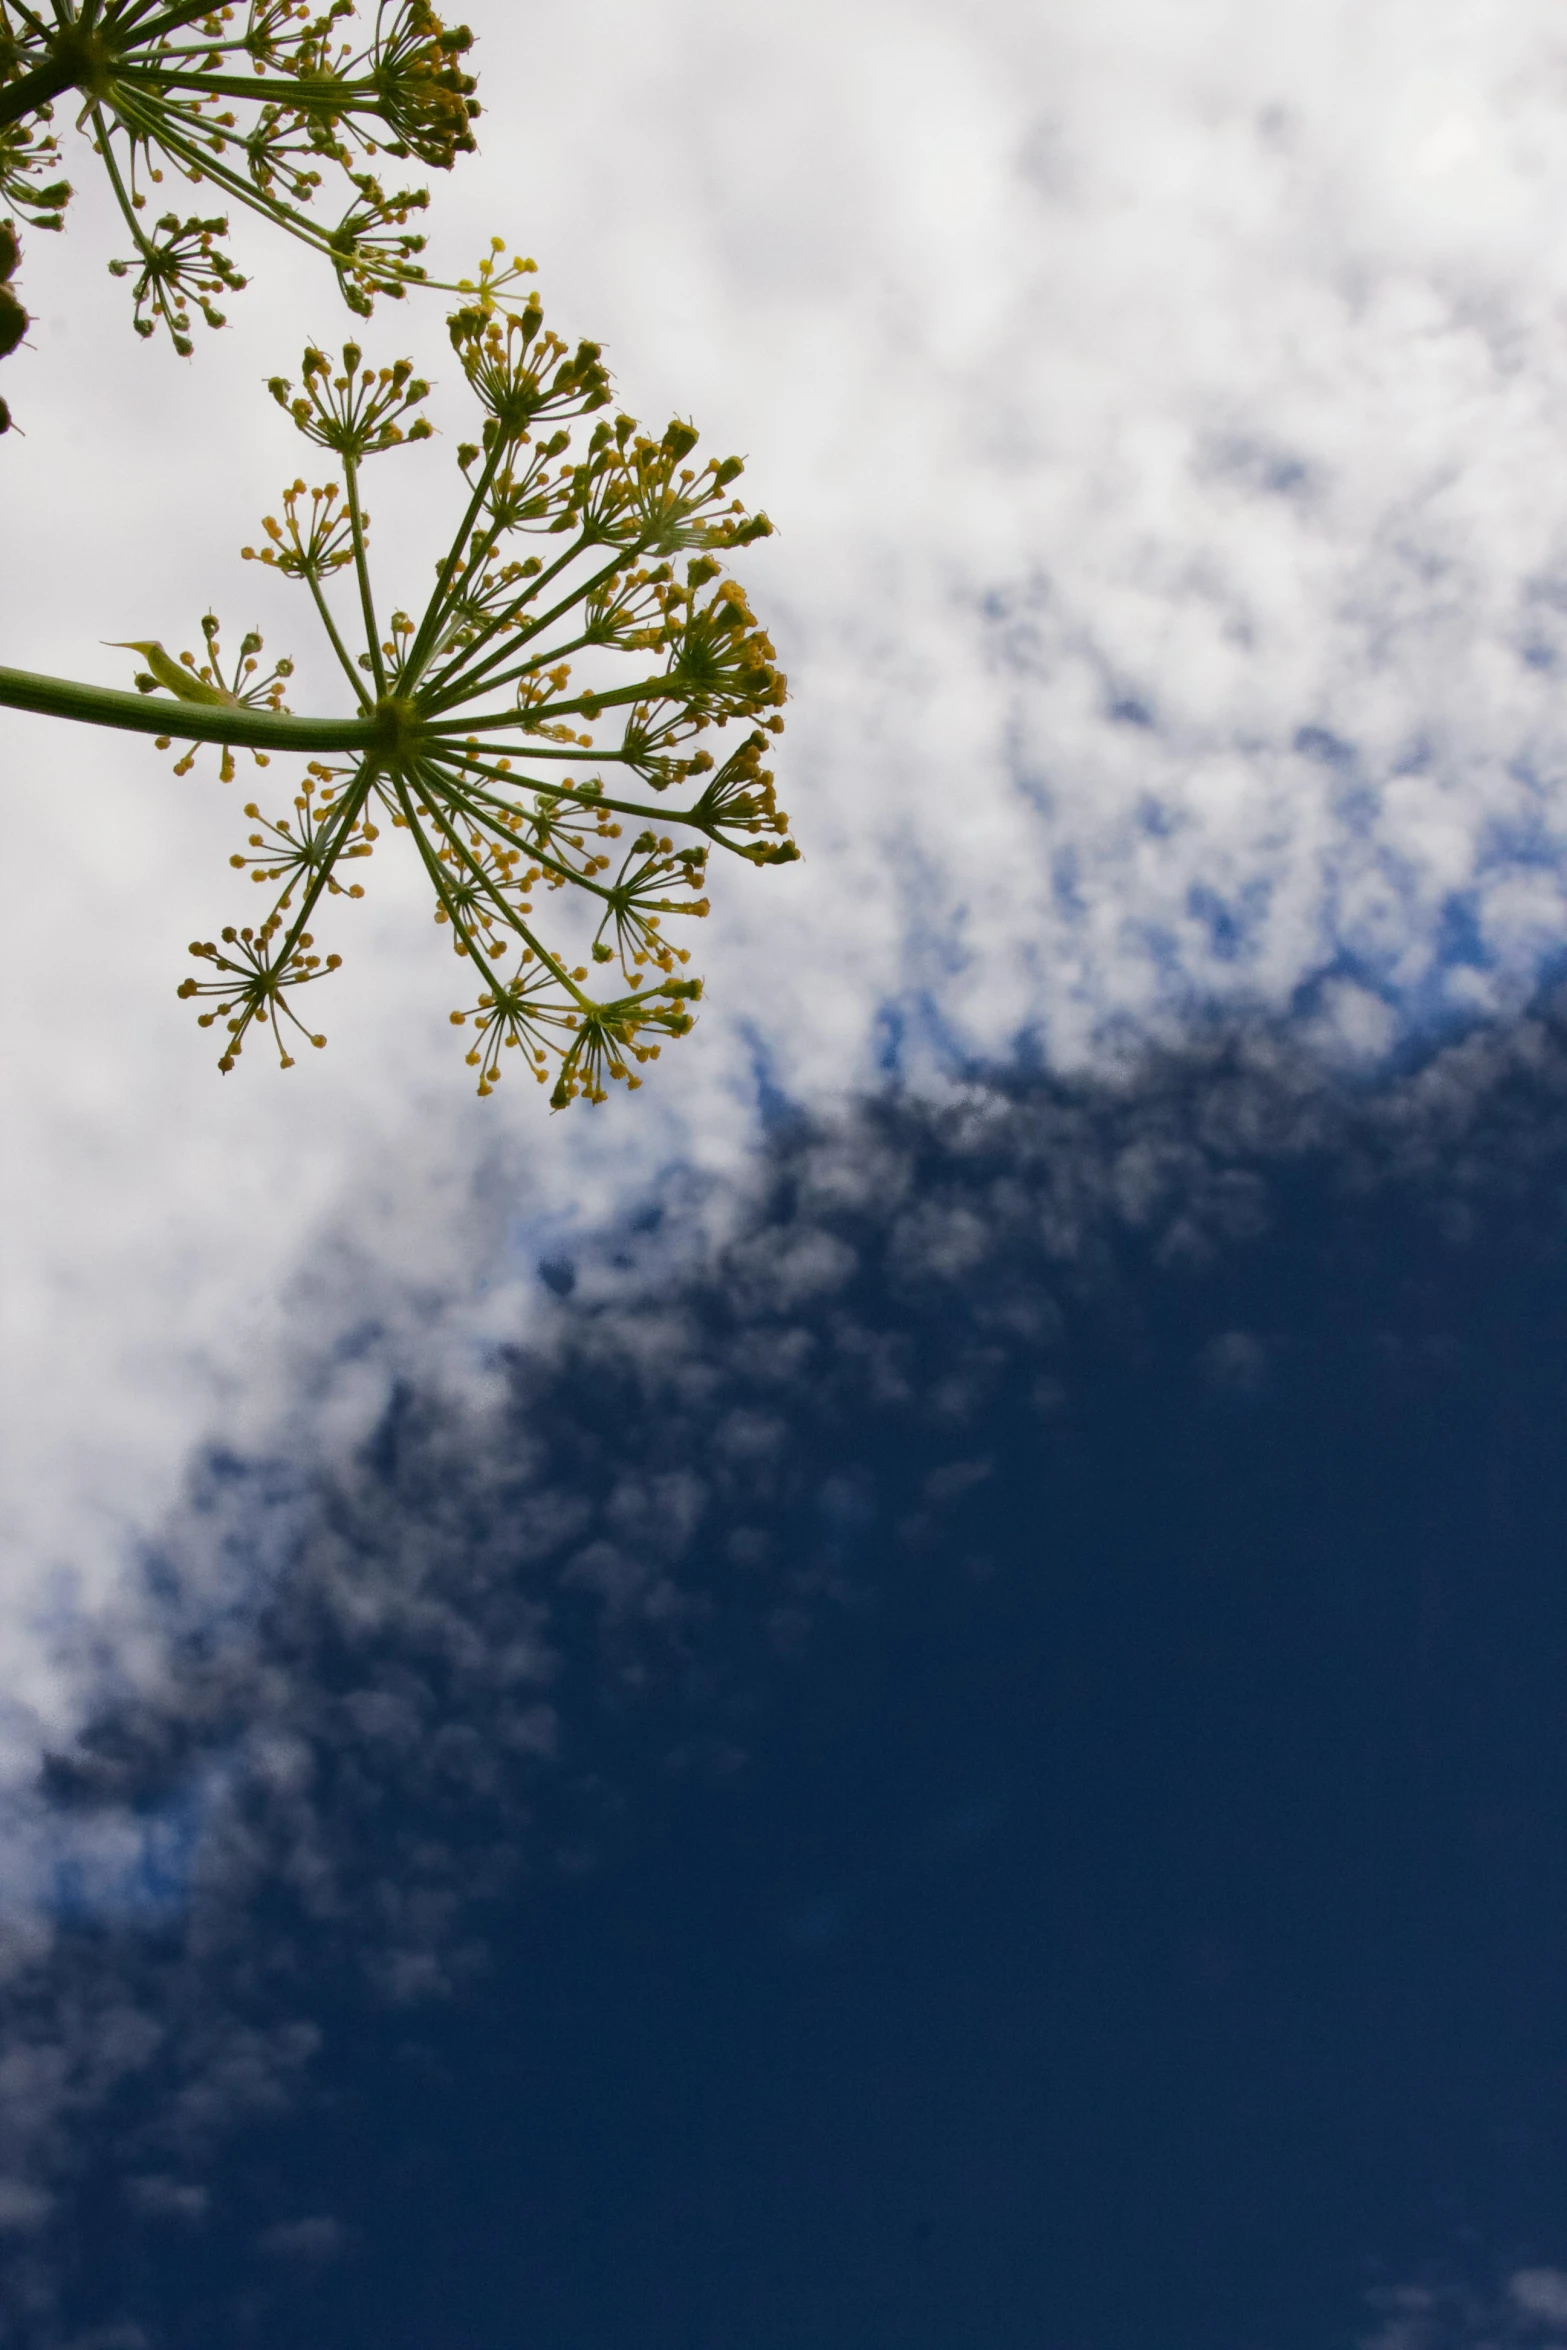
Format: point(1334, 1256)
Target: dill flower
point(568, 728)
point(265, 103)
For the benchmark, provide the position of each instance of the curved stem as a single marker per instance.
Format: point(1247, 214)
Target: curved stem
point(354, 677)
point(121, 193)
point(202, 722)
point(163, 129)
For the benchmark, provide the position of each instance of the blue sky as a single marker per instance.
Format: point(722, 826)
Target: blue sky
point(906, 1694)
point(981, 1764)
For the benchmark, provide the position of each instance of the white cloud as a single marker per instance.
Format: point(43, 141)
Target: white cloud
point(1539, 2292)
point(1448, 2315)
point(22, 2207)
point(157, 2196)
point(1162, 409)
point(1156, 406)
point(315, 2239)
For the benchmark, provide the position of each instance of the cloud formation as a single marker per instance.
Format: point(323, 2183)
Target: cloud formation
point(1156, 412)
point(419, 1641)
point(1529, 2308)
point(1161, 410)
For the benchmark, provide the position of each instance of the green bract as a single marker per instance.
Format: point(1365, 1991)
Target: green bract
point(565, 734)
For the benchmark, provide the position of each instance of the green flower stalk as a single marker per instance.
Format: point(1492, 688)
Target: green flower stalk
point(567, 728)
point(265, 103)
point(206, 684)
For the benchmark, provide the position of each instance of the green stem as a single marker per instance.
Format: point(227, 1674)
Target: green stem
point(464, 677)
point(156, 26)
point(121, 193)
point(435, 612)
point(348, 815)
point(35, 24)
point(462, 663)
point(355, 677)
point(509, 918)
point(547, 712)
point(541, 857)
point(478, 677)
point(265, 730)
point(33, 92)
point(588, 802)
point(158, 127)
point(362, 574)
point(320, 95)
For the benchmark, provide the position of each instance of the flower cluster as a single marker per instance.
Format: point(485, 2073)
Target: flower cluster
point(253, 974)
point(567, 728)
point(260, 101)
point(28, 148)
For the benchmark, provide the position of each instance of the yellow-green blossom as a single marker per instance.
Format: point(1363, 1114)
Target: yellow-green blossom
point(566, 728)
point(266, 105)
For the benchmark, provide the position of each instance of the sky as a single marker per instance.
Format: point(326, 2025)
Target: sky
point(905, 1696)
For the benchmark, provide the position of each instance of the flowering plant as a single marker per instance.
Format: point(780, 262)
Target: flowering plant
point(261, 104)
point(567, 727)
point(538, 725)
point(264, 103)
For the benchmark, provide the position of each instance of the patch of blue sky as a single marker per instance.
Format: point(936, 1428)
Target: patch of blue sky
point(768, 1087)
point(1130, 709)
point(1258, 466)
point(212, 1583)
point(1157, 819)
point(1234, 924)
point(136, 1865)
point(1526, 838)
point(1066, 881)
point(914, 1032)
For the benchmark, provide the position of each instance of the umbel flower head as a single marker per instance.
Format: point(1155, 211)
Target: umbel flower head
point(567, 729)
point(266, 103)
